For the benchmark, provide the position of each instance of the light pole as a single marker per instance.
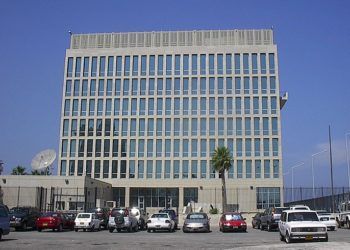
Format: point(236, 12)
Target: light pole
point(313, 175)
point(292, 168)
point(347, 157)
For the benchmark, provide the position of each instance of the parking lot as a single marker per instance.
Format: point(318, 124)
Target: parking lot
point(253, 239)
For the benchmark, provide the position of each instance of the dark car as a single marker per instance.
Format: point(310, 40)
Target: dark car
point(270, 218)
point(23, 217)
point(55, 221)
point(232, 221)
point(102, 214)
point(173, 215)
point(256, 221)
point(4, 221)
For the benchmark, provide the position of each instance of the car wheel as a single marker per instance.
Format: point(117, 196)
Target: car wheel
point(39, 229)
point(99, 228)
point(261, 227)
point(111, 230)
point(348, 223)
point(76, 230)
point(287, 238)
point(84, 230)
point(92, 228)
point(129, 229)
point(119, 230)
point(326, 239)
point(0, 235)
point(281, 237)
point(148, 230)
point(170, 230)
point(258, 226)
point(136, 228)
point(253, 226)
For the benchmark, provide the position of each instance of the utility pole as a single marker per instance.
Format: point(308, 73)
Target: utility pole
point(331, 163)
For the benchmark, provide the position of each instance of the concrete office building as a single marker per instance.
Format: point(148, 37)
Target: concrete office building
point(144, 111)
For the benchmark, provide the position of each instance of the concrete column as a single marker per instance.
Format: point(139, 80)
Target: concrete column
point(181, 199)
point(127, 196)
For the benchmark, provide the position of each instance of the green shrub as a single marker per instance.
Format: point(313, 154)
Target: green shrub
point(214, 211)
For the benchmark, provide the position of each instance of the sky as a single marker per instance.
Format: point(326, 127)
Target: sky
point(313, 39)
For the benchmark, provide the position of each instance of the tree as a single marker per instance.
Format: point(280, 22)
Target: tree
point(19, 170)
point(221, 161)
point(42, 172)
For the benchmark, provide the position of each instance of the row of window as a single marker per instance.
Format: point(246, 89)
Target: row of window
point(166, 169)
point(246, 63)
point(167, 148)
point(171, 106)
point(267, 197)
point(176, 86)
point(172, 126)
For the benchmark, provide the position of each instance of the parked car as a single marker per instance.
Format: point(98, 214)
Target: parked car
point(122, 219)
point(196, 222)
point(87, 221)
point(299, 207)
point(256, 221)
point(328, 219)
point(173, 215)
point(141, 217)
point(160, 221)
point(232, 221)
point(23, 217)
point(102, 214)
point(270, 218)
point(55, 221)
point(4, 221)
point(301, 225)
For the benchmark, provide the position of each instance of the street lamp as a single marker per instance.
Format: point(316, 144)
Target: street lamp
point(292, 168)
point(347, 157)
point(313, 175)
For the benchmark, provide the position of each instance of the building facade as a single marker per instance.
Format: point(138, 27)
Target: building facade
point(145, 111)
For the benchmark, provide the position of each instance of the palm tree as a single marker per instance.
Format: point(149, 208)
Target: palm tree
point(221, 161)
point(19, 170)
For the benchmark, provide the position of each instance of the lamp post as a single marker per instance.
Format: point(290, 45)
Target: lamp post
point(313, 175)
point(347, 157)
point(292, 168)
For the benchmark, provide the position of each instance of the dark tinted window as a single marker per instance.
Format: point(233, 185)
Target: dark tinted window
point(280, 209)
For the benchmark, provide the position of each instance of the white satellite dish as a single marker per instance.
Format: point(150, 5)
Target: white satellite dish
point(43, 160)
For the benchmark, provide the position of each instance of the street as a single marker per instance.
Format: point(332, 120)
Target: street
point(253, 239)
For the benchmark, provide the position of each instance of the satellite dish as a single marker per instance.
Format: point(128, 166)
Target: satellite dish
point(43, 160)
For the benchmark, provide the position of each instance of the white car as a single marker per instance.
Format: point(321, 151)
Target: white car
point(87, 221)
point(299, 207)
point(160, 221)
point(328, 220)
point(301, 225)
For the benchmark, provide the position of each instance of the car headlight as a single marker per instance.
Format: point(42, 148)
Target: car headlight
point(243, 224)
point(321, 229)
point(296, 229)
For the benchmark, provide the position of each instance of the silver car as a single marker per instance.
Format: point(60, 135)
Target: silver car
point(196, 222)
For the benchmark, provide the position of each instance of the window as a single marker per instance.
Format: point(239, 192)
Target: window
point(98, 148)
point(123, 147)
point(177, 64)
point(91, 127)
point(220, 85)
point(211, 146)
point(256, 105)
point(194, 105)
point(272, 63)
point(257, 169)
point(237, 64)
point(168, 64)
point(274, 126)
point(132, 127)
point(176, 130)
point(239, 169)
point(66, 107)
point(134, 87)
point(151, 86)
point(159, 148)
point(70, 67)
point(108, 109)
point(150, 169)
point(203, 86)
point(88, 168)
point(212, 126)
point(75, 107)
point(203, 169)
point(100, 107)
point(167, 126)
point(256, 126)
point(275, 146)
point(123, 169)
point(64, 148)
point(68, 88)
point(194, 64)
point(177, 86)
point(185, 86)
point(203, 147)
point(176, 150)
point(203, 126)
point(125, 106)
point(65, 127)
point(248, 147)
point(246, 85)
point(185, 64)
point(150, 129)
point(255, 85)
point(185, 148)
point(272, 85)
point(255, 63)
point(238, 126)
point(158, 169)
point(229, 127)
point(160, 65)
point(119, 66)
point(71, 168)
point(140, 169)
point(114, 169)
point(94, 66)
point(256, 147)
point(168, 86)
point(211, 64)
point(110, 66)
point(273, 105)
point(185, 169)
point(135, 65)
point(194, 86)
point(142, 126)
point(89, 147)
point(185, 124)
point(125, 127)
point(266, 168)
point(264, 105)
point(117, 87)
point(203, 106)
point(86, 67)
point(115, 148)
point(194, 126)
point(266, 142)
point(150, 148)
point(263, 63)
point(267, 197)
point(167, 169)
point(194, 169)
point(237, 85)
point(194, 147)
point(143, 65)
point(141, 148)
point(102, 65)
point(76, 88)
point(126, 65)
point(142, 106)
point(239, 147)
point(245, 63)
point(159, 126)
point(247, 125)
point(228, 64)
point(116, 106)
point(74, 127)
point(248, 169)
point(275, 168)
point(211, 85)
point(265, 126)
point(82, 127)
point(105, 169)
point(151, 65)
point(203, 64)
point(126, 87)
point(221, 126)
point(131, 169)
point(63, 168)
point(176, 173)
point(246, 105)
point(109, 87)
point(220, 64)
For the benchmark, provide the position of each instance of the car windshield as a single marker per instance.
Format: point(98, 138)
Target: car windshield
point(84, 216)
point(233, 217)
point(196, 216)
point(50, 214)
point(303, 216)
point(278, 210)
point(170, 212)
point(159, 216)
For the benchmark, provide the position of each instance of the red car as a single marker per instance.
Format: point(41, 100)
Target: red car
point(232, 222)
point(55, 221)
